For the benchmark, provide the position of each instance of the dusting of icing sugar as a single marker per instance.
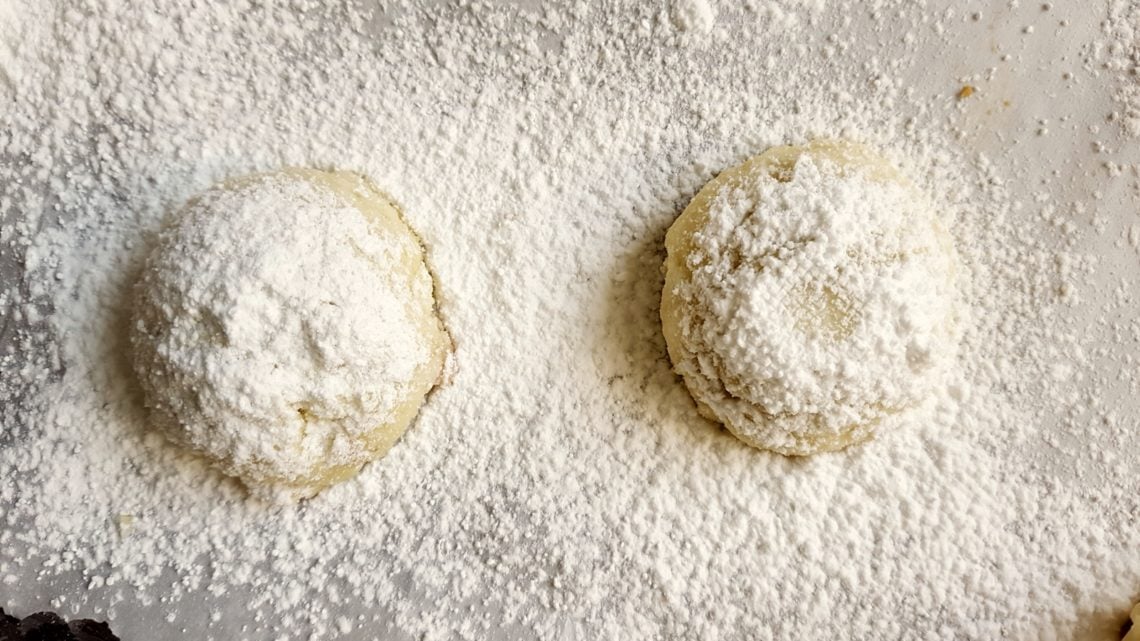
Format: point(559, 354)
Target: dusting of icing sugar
point(563, 485)
point(693, 15)
point(1119, 53)
point(817, 303)
point(271, 329)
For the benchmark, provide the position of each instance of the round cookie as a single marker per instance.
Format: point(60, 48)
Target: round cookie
point(284, 327)
point(809, 294)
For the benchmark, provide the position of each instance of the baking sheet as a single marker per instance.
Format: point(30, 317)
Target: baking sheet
point(1028, 82)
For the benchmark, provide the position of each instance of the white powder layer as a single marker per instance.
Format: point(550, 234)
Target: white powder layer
point(818, 304)
point(563, 485)
point(693, 15)
point(273, 329)
point(1119, 53)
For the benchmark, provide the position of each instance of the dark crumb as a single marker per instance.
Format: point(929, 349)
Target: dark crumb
point(8, 627)
point(49, 626)
point(88, 630)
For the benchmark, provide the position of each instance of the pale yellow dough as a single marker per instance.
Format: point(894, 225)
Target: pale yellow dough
point(822, 312)
point(308, 414)
point(412, 268)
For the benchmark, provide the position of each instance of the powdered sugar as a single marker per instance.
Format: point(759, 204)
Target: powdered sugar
point(693, 15)
point(275, 327)
point(1119, 53)
point(820, 302)
point(563, 485)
